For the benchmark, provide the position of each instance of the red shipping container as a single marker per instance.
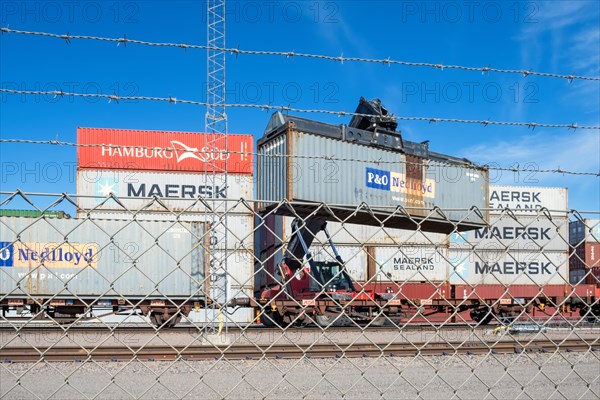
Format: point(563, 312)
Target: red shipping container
point(147, 150)
point(592, 255)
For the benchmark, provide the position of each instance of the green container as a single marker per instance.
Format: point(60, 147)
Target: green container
point(32, 213)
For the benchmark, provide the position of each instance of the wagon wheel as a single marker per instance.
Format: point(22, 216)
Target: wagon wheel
point(273, 320)
point(160, 320)
point(482, 316)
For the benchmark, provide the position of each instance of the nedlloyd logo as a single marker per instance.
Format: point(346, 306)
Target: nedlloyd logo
point(399, 182)
point(6, 254)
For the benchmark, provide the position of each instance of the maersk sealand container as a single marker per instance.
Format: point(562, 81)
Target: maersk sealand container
point(400, 184)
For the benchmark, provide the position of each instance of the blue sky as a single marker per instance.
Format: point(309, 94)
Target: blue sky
point(549, 36)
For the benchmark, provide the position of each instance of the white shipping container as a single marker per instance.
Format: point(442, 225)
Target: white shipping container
point(412, 264)
point(527, 233)
point(498, 267)
point(355, 258)
point(353, 234)
point(177, 191)
point(234, 231)
point(528, 200)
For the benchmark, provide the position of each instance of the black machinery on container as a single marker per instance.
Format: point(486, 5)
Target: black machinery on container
point(367, 173)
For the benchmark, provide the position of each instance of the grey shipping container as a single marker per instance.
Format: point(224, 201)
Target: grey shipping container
point(525, 233)
point(89, 259)
point(513, 268)
point(398, 182)
point(163, 191)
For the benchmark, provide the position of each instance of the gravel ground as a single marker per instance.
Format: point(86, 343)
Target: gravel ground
point(523, 376)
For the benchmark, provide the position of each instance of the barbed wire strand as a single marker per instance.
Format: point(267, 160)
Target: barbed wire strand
point(279, 155)
point(266, 107)
point(291, 54)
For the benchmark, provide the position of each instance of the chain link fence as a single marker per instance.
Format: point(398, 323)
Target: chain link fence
point(217, 300)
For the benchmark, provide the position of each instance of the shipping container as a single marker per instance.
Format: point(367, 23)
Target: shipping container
point(396, 182)
point(586, 230)
point(528, 200)
point(513, 268)
point(224, 231)
point(410, 264)
point(176, 192)
point(577, 276)
point(87, 259)
point(125, 149)
point(526, 233)
point(33, 213)
point(350, 234)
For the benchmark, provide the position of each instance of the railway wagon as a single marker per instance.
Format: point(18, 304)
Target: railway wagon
point(63, 268)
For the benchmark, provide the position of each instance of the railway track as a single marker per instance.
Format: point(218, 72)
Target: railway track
point(254, 352)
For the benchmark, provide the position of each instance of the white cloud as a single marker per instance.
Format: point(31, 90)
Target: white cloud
point(578, 151)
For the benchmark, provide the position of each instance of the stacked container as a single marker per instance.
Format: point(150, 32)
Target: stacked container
point(525, 243)
point(186, 179)
point(584, 263)
point(372, 254)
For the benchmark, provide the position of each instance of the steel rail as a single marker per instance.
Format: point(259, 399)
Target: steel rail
point(254, 352)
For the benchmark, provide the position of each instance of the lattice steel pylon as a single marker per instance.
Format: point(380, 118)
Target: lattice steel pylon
point(216, 118)
point(216, 127)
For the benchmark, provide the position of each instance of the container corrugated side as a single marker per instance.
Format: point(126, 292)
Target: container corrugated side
point(237, 229)
point(587, 230)
point(175, 191)
point(164, 151)
point(411, 263)
point(528, 200)
point(108, 258)
point(344, 183)
point(498, 267)
point(526, 233)
point(352, 234)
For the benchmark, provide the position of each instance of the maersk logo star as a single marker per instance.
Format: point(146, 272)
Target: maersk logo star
point(105, 187)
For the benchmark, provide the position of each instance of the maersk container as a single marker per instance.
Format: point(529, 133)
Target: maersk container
point(163, 191)
point(508, 268)
point(525, 233)
point(226, 231)
point(410, 263)
point(93, 258)
point(529, 200)
point(330, 170)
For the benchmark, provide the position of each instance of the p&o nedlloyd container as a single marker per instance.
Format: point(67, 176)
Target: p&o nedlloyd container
point(366, 177)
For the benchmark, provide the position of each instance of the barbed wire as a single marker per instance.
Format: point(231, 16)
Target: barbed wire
point(266, 107)
point(279, 155)
point(291, 54)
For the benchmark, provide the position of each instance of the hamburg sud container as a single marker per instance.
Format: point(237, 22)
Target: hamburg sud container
point(397, 181)
point(526, 241)
point(126, 149)
point(108, 258)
